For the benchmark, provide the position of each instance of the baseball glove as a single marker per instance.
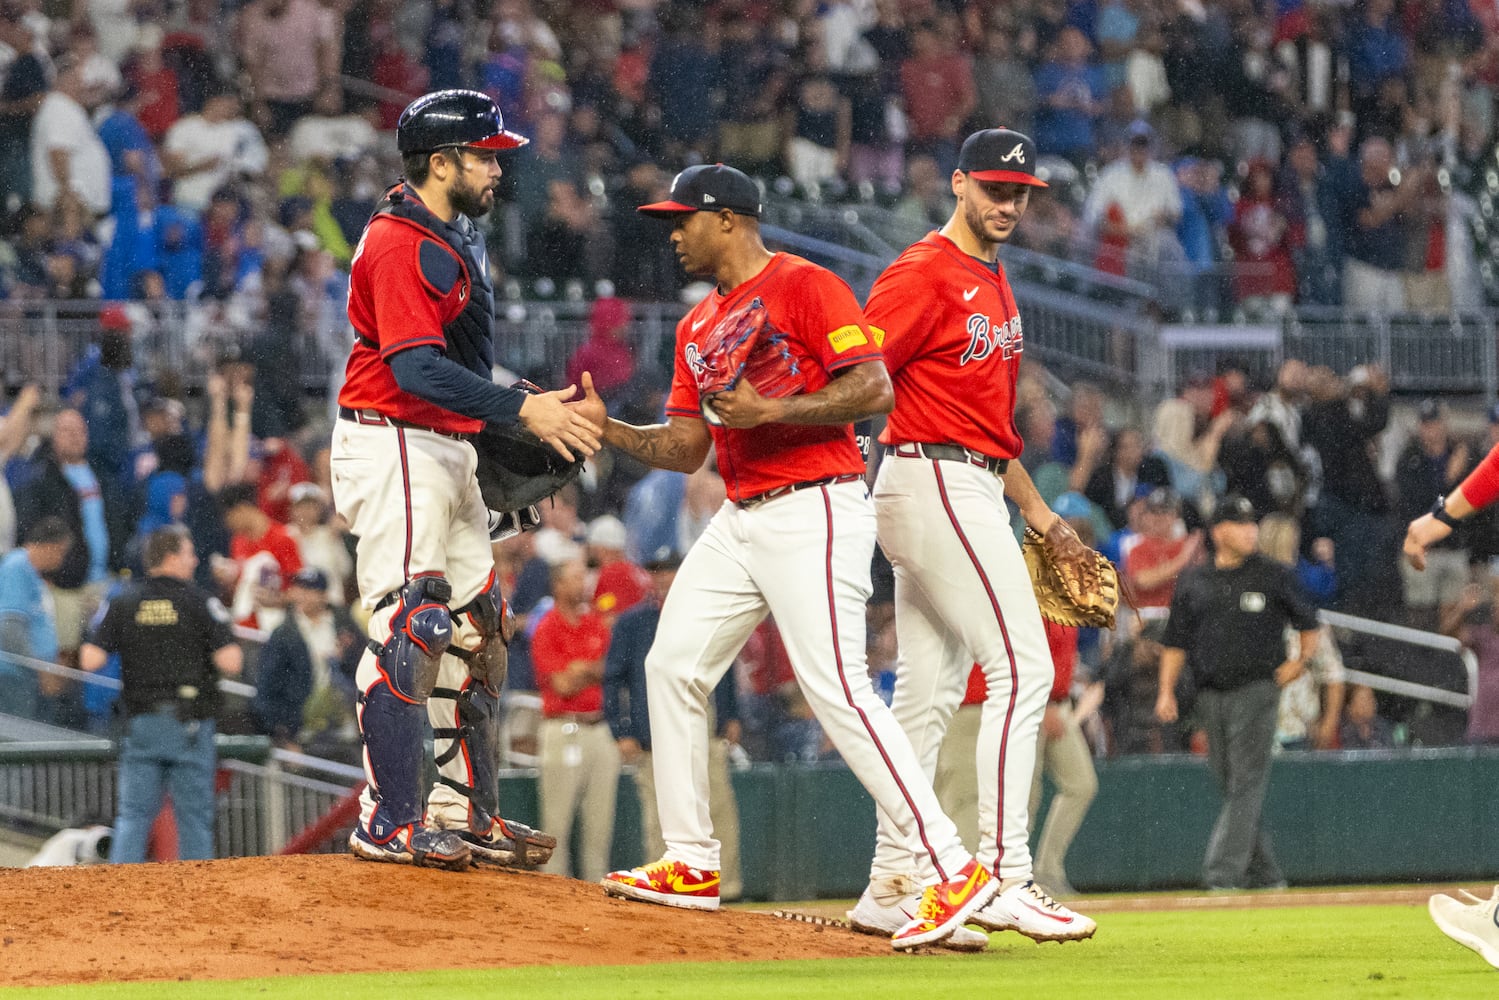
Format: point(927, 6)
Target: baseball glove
point(516, 469)
point(1074, 585)
point(745, 345)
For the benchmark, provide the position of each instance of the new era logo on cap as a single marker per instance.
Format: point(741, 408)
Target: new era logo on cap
point(1002, 155)
point(708, 187)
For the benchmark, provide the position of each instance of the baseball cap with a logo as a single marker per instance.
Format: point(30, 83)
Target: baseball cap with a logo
point(1000, 154)
point(708, 187)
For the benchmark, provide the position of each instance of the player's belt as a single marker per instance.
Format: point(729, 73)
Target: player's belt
point(781, 491)
point(952, 453)
point(373, 418)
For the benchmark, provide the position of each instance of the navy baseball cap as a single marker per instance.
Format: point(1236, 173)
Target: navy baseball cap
point(310, 577)
point(1000, 154)
point(708, 187)
point(1235, 508)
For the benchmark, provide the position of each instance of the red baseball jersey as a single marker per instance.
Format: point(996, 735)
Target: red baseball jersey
point(815, 324)
point(392, 307)
point(951, 337)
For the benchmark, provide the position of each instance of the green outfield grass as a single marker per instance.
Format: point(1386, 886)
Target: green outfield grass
point(1313, 952)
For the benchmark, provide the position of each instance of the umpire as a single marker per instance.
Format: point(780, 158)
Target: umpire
point(1228, 619)
point(172, 648)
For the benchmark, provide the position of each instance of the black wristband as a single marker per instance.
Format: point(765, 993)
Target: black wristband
point(1439, 511)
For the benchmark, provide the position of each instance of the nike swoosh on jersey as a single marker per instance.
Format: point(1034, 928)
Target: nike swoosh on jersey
point(968, 295)
point(699, 323)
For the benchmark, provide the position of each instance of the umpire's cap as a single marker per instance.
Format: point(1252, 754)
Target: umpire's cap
point(454, 118)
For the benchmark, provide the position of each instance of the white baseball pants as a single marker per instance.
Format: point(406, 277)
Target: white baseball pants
point(962, 596)
point(803, 557)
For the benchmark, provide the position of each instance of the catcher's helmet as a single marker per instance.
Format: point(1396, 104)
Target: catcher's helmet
point(454, 118)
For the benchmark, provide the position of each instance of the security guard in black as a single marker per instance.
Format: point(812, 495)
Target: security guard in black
point(1231, 622)
point(166, 635)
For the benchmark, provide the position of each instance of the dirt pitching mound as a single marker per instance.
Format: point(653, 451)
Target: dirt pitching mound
point(249, 917)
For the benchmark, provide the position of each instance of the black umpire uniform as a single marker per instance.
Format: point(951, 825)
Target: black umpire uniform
point(1229, 617)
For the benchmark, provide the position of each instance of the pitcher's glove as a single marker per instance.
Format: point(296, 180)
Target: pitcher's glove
point(1074, 585)
point(744, 345)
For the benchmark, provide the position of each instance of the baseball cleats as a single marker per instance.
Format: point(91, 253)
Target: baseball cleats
point(667, 882)
point(888, 904)
point(509, 845)
point(1027, 908)
point(945, 907)
point(1474, 924)
point(413, 845)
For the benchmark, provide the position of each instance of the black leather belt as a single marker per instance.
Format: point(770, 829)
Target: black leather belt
point(372, 418)
point(781, 491)
point(952, 453)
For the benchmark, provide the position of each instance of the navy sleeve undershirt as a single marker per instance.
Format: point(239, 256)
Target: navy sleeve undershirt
point(424, 371)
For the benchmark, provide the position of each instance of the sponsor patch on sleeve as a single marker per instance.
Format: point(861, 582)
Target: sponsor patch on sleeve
point(878, 334)
point(846, 337)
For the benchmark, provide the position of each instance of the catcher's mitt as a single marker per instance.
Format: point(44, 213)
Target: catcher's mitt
point(1074, 585)
point(744, 344)
point(516, 469)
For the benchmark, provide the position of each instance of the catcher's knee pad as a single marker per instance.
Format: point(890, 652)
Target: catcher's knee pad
point(391, 728)
point(482, 631)
point(469, 762)
point(421, 628)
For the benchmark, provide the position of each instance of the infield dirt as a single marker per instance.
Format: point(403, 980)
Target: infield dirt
point(251, 917)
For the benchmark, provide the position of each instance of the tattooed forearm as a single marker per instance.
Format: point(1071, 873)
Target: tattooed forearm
point(853, 394)
point(680, 445)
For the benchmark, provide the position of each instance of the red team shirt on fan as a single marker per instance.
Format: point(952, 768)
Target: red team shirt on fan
point(277, 542)
point(556, 644)
point(952, 341)
point(621, 586)
point(818, 322)
point(392, 305)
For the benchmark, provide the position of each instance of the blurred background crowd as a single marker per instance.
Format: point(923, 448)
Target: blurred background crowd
point(1245, 154)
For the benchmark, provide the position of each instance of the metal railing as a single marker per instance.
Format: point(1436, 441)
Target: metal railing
point(182, 342)
point(1411, 637)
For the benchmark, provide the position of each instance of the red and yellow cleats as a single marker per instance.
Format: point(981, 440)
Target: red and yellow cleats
point(670, 883)
point(946, 906)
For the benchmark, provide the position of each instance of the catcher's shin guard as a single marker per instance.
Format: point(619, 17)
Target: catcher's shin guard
point(391, 728)
point(465, 742)
point(482, 631)
point(420, 628)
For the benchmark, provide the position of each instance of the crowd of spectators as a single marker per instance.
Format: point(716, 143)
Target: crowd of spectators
point(1331, 153)
point(1334, 475)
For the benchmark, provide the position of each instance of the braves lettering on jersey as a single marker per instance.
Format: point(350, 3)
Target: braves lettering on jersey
point(810, 326)
point(405, 287)
point(952, 342)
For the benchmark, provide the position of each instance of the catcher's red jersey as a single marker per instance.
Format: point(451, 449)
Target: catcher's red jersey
point(392, 308)
point(952, 342)
point(805, 324)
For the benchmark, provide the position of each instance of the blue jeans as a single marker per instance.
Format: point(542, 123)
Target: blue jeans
point(160, 754)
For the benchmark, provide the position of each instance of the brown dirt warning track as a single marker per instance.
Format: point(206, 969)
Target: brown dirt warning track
point(251, 917)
